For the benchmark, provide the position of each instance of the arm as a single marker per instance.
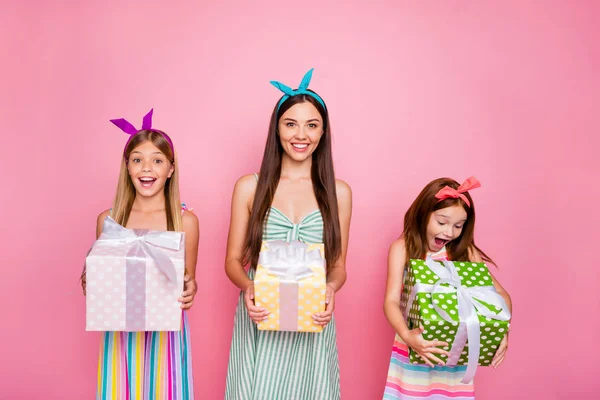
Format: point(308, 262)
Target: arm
point(192, 236)
point(99, 223)
point(501, 352)
point(337, 274)
point(393, 289)
point(243, 193)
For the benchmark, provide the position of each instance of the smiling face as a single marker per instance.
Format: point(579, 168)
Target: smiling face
point(445, 225)
point(148, 169)
point(300, 130)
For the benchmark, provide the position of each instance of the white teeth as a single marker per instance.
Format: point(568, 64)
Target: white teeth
point(300, 146)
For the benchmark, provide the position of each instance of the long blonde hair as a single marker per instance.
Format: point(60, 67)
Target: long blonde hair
point(126, 191)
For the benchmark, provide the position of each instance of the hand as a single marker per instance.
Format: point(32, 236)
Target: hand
point(83, 283)
point(323, 318)
point(257, 314)
point(425, 348)
point(501, 353)
point(189, 291)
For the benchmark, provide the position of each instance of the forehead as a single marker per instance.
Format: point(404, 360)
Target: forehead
point(302, 112)
point(146, 147)
point(455, 213)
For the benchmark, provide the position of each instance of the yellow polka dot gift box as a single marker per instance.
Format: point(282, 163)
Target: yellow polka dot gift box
point(134, 278)
point(455, 302)
point(290, 284)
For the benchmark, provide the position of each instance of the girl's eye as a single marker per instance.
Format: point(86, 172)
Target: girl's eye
point(441, 223)
point(458, 226)
point(290, 124)
point(158, 161)
point(136, 160)
point(312, 126)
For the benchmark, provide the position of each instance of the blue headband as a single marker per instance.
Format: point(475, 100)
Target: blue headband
point(302, 89)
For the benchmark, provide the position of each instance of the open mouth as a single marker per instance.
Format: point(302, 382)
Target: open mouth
point(300, 146)
point(147, 182)
point(441, 242)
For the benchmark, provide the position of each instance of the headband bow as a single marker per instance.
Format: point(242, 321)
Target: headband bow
point(131, 130)
point(302, 89)
point(448, 192)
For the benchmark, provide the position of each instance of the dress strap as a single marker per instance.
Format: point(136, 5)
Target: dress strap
point(256, 176)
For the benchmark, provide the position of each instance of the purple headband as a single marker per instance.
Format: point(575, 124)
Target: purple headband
point(129, 129)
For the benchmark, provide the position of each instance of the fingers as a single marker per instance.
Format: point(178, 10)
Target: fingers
point(187, 305)
point(496, 363)
point(499, 357)
point(433, 358)
point(425, 359)
point(322, 318)
point(435, 343)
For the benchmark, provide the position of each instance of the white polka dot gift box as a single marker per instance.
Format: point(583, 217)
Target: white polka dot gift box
point(455, 302)
point(290, 284)
point(134, 278)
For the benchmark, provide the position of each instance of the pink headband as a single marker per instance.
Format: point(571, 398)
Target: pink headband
point(447, 192)
point(128, 128)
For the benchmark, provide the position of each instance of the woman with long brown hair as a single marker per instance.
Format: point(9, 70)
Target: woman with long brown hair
point(294, 197)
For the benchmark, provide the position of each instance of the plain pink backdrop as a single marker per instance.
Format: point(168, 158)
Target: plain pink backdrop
point(506, 91)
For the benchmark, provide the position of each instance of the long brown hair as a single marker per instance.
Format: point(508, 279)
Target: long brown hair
point(126, 191)
point(417, 217)
point(323, 181)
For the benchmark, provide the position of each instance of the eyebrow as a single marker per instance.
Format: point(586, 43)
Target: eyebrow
point(447, 217)
point(310, 120)
point(139, 152)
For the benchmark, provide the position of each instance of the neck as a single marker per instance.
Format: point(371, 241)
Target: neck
point(294, 170)
point(149, 204)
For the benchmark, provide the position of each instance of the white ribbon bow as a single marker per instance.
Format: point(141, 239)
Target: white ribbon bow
point(468, 306)
point(289, 261)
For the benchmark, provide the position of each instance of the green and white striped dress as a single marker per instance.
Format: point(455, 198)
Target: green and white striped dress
point(265, 365)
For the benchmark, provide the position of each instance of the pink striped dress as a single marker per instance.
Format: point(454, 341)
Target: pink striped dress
point(408, 381)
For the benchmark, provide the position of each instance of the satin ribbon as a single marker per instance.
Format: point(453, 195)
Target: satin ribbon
point(468, 306)
point(302, 89)
point(289, 262)
point(143, 244)
point(448, 192)
point(131, 130)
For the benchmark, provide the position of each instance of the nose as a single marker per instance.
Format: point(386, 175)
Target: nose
point(449, 232)
point(301, 133)
point(147, 166)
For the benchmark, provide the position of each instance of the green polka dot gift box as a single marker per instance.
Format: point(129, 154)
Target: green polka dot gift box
point(455, 302)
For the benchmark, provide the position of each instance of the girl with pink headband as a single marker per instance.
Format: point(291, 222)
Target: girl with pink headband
point(439, 223)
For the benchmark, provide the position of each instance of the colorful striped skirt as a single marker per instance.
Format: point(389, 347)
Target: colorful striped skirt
point(408, 381)
point(146, 365)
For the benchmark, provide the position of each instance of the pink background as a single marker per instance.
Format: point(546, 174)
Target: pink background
point(504, 90)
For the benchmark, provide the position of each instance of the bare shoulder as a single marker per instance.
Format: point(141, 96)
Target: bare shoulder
point(189, 220)
point(398, 248)
point(100, 222)
point(474, 255)
point(343, 190)
point(244, 189)
point(102, 216)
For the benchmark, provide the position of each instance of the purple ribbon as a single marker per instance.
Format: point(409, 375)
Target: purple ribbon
point(144, 244)
point(131, 130)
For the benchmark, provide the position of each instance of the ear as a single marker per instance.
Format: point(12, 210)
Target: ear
point(171, 170)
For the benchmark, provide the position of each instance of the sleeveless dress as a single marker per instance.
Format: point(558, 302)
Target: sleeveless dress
point(278, 365)
point(408, 381)
point(146, 365)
